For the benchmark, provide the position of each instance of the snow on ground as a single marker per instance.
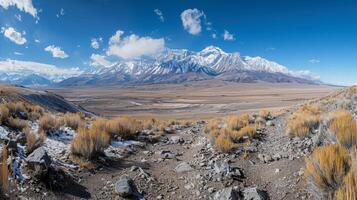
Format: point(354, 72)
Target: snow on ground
point(3, 133)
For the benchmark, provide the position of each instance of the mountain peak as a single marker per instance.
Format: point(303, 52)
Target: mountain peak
point(212, 49)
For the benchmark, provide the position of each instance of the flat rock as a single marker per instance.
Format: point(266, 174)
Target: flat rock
point(225, 194)
point(39, 157)
point(123, 187)
point(254, 194)
point(183, 167)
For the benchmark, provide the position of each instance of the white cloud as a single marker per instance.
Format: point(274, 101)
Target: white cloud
point(18, 17)
point(95, 42)
point(228, 36)
point(56, 51)
point(23, 5)
point(37, 41)
point(27, 67)
point(13, 35)
point(314, 61)
point(18, 53)
point(133, 46)
point(270, 49)
point(99, 61)
point(159, 14)
point(214, 36)
point(191, 20)
point(61, 13)
point(305, 74)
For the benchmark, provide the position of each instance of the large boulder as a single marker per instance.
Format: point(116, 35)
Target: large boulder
point(124, 187)
point(226, 194)
point(39, 161)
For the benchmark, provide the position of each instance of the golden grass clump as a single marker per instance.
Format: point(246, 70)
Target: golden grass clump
point(224, 142)
point(327, 167)
point(344, 127)
point(124, 127)
point(17, 124)
point(48, 124)
point(33, 141)
point(302, 122)
point(236, 122)
point(213, 128)
point(73, 120)
point(90, 142)
point(349, 189)
point(248, 131)
point(4, 114)
point(4, 171)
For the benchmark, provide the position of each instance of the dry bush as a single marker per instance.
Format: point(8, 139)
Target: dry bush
point(33, 141)
point(213, 127)
point(49, 124)
point(224, 142)
point(90, 142)
point(35, 112)
point(326, 169)
point(265, 114)
point(302, 122)
point(236, 122)
point(4, 173)
point(124, 127)
point(17, 124)
point(4, 114)
point(148, 123)
point(73, 120)
point(248, 131)
point(349, 189)
point(344, 127)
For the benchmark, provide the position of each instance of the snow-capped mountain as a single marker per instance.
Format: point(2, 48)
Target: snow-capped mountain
point(179, 65)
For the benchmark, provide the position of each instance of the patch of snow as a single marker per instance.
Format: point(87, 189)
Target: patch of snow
point(123, 143)
point(3, 133)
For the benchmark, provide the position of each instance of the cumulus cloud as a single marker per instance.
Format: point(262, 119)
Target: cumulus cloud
point(214, 36)
point(23, 5)
point(134, 46)
point(37, 41)
point(228, 36)
point(13, 35)
point(56, 51)
point(314, 61)
point(191, 20)
point(18, 53)
point(159, 14)
point(305, 74)
point(27, 67)
point(99, 61)
point(95, 42)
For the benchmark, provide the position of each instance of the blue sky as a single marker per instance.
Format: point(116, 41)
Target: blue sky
point(320, 36)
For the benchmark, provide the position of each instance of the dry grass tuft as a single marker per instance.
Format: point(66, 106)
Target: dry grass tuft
point(236, 122)
point(345, 128)
point(33, 141)
point(73, 120)
point(304, 121)
point(4, 114)
point(124, 127)
point(247, 131)
point(224, 142)
point(4, 173)
point(326, 169)
point(49, 124)
point(349, 189)
point(90, 142)
point(17, 124)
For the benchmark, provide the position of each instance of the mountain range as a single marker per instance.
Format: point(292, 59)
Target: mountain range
point(176, 66)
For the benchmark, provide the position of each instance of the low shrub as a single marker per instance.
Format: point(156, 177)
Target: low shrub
point(236, 122)
point(73, 120)
point(33, 141)
point(224, 142)
point(4, 171)
point(4, 114)
point(349, 189)
point(49, 124)
point(326, 169)
point(124, 127)
point(17, 124)
point(90, 142)
point(304, 121)
point(248, 131)
point(344, 127)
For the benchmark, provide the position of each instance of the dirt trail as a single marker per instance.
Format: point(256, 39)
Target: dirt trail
point(155, 176)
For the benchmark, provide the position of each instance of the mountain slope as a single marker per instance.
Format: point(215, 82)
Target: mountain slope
point(180, 65)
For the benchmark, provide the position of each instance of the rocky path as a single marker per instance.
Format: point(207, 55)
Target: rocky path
point(184, 165)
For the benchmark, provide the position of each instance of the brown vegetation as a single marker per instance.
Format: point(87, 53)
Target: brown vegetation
point(327, 167)
point(4, 173)
point(349, 189)
point(48, 124)
point(304, 121)
point(124, 127)
point(17, 124)
point(344, 127)
point(73, 120)
point(33, 141)
point(90, 142)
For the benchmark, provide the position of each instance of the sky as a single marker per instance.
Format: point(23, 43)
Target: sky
point(315, 35)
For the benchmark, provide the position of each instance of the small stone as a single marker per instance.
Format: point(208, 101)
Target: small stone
point(254, 194)
point(277, 170)
point(225, 194)
point(183, 167)
point(123, 187)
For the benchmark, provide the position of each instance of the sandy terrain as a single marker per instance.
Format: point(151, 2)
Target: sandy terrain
point(199, 100)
